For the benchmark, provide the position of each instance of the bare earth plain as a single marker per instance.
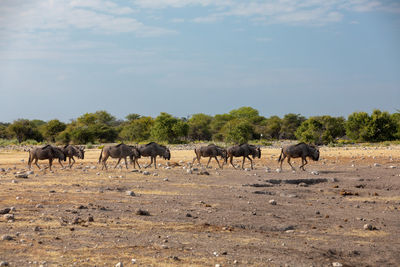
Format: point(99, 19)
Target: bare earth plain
point(83, 216)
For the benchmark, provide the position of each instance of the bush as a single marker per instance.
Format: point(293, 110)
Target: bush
point(321, 130)
point(199, 127)
point(238, 131)
point(169, 129)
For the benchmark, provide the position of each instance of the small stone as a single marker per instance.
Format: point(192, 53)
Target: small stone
point(392, 167)
point(133, 261)
point(135, 171)
point(377, 165)
point(217, 265)
point(36, 229)
point(315, 173)
point(30, 172)
point(272, 202)
point(337, 264)
point(4, 263)
point(9, 217)
point(278, 170)
point(7, 237)
point(146, 173)
point(5, 211)
point(130, 193)
point(189, 171)
point(39, 206)
point(90, 219)
point(303, 184)
point(247, 169)
point(21, 175)
point(119, 264)
point(14, 181)
point(165, 180)
point(368, 227)
point(155, 174)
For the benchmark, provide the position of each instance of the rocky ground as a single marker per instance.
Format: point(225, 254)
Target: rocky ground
point(342, 211)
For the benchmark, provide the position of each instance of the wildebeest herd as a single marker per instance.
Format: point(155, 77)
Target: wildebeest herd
point(152, 150)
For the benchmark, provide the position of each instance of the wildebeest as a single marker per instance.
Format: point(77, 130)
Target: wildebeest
point(296, 151)
point(47, 152)
point(119, 151)
point(211, 151)
point(153, 150)
point(71, 151)
point(244, 150)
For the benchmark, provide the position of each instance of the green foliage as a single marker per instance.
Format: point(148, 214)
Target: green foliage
point(23, 130)
point(137, 129)
point(321, 130)
point(3, 131)
point(289, 125)
point(168, 128)
point(217, 124)
point(51, 129)
point(270, 128)
point(199, 127)
point(132, 116)
point(238, 131)
point(396, 118)
point(246, 113)
point(380, 126)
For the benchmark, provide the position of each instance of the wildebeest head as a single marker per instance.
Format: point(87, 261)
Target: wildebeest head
point(81, 152)
point(224, 155)
point(167, 154)
point(135, 152)
point(314, 152)
point(256, 153)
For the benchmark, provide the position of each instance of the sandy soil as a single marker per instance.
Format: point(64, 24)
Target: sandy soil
point(84, 217)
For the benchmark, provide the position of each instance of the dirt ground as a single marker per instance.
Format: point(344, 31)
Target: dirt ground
point(84, 216)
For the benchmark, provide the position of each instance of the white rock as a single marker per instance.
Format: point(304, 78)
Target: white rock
point(119, 264)
point(315, 173)
point(130, 193)
point(392, 167)
point(189, 171)
point(337, 264)
point(155, 174)
point(146, 173)
point(377, 165)
point(278, 170)
point(272, 202)
point(165, 179)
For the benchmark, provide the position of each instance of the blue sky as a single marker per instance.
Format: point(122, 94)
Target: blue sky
point(61, 59)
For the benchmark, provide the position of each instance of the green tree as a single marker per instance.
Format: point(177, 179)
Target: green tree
point(132, 116)
point(321, 130)
point(290, 123)
point(23, 130)
point(3, 130)
point(381, 127)
point(137, 129)
point(396, 118)
point(270, 128)
point(199, 127)
point(168, 128)
point(217, 124)
point(357, 126)
point(238, 131)
point(52, 128)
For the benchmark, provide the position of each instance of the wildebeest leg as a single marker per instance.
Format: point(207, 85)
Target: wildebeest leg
point(155, 162)
point(230, 161)
point(104, 162)
point(198, 159)
point(151, 162)
point(117, 163)
point(50, 163)
point(251, 162)
point(288, 161)
point(72, 162)
point(134, 165)
point(282, 159)
point(217, 161)
point(303, 164)
point(36, 163)
point(59, 161)
point(244, 158)
point(208, 162)
point(126, 164)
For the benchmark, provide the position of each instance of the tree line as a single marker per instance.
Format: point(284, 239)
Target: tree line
point(238, 126)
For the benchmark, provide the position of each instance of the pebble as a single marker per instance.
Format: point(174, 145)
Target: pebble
point(267, 170)
point(14, 181)
point(133, 261)
point(9, 216)
point(278, 170)
point(377, 165)
point(337, 264)
point(272, 202)
point(315, 173)
point(119, 264)
point(146, 173)
point(247, 169)
point(189, 171)
point(4, 263)
point(368, 227)
point(21, 175)
point(6, 237)
point(130, 193)
point(392, 167)
point(155, 174)
point(165, 179)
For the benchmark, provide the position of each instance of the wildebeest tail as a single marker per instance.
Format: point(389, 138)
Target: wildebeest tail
point(101, 155)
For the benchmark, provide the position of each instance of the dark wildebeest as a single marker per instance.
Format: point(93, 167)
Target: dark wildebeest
point(244, 150)
point(296, 151)
point(71, 151)
point(119, 151)
point(211, 151)
point(153, 150)
point(47, 152)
